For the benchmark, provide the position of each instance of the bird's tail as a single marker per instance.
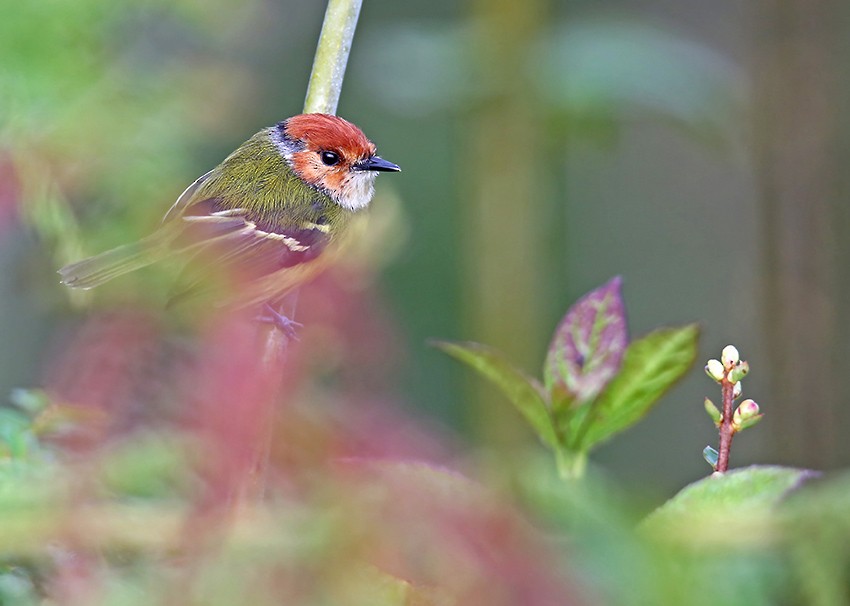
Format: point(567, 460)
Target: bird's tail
point(101, 268)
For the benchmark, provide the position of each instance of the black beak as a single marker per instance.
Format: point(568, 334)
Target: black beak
point(377, 163)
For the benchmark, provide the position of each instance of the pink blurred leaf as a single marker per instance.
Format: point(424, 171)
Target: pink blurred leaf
point(588, 345)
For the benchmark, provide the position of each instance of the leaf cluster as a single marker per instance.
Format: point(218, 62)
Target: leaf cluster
point(595, 383)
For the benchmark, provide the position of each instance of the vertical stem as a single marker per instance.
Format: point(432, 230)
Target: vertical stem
point(332, 56)
point(726, 431)
point(322, 97)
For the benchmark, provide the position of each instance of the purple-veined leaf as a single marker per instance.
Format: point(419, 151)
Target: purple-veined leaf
point(652, 365)
point(588, 345)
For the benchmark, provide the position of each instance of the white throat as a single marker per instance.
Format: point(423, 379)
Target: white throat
point(357, 190)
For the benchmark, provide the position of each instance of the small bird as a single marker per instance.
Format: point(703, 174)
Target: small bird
point(264, 215)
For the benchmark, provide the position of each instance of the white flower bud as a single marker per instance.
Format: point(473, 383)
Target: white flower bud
point(729, 356)
point(715, 370)
point(738, 372)
point(737, 389)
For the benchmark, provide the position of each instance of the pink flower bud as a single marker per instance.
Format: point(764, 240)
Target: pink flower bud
point(746, 415)
point(747, 409)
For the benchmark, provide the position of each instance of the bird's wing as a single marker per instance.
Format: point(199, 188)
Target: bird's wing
point(229, 244)
point(185, 198)
point(94, 271)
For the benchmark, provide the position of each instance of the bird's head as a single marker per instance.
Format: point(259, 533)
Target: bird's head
point(334, 156)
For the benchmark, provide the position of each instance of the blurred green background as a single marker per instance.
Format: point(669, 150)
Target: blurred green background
point(697, 149)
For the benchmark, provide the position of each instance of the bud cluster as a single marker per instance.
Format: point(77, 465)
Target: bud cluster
point(729, 371)
point(730, 366)
point(732, 369)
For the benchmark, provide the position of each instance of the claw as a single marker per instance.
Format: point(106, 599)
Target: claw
point(272, 316)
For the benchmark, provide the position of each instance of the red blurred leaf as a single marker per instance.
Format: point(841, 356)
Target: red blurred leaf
point(448, 537)
point(98, 377)
point(9, 192)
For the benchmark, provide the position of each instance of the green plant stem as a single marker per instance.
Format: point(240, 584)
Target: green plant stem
point(332, 56)
point(570, 465)
point(323, 93)
point(726, 431)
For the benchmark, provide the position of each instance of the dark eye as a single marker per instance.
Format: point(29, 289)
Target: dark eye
point(330, 158)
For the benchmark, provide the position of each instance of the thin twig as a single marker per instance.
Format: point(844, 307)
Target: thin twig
point(322, 96)
point(332, 56)
point(727, 389)
point(323, 93)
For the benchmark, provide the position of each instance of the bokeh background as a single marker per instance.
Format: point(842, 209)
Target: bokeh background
point(697, 149)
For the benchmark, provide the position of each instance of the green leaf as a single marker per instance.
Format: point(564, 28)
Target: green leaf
point(737, 501)
point(713, 411)
point(17, 587)
point(747, 423)
point(711, 456)
point(651, 366)
point(30, 401)
point(145, 466)
point(523, 391)
point(818, 533)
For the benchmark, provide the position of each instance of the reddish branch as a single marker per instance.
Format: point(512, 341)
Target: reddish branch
point(726, 430)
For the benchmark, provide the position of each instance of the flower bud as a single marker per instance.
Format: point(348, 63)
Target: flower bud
point(739, 372)
point(746, 415)
point(737, 389)
point(746, 409)
point(730, 356)
point(715, 370)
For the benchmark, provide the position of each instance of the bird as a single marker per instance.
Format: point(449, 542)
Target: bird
point(268, 216)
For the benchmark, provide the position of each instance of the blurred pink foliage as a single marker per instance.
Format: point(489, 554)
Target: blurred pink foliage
point(9, 193)
point(101, 375)
point(340, 444)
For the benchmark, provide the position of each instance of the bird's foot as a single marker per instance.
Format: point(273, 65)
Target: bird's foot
point(272, 316)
